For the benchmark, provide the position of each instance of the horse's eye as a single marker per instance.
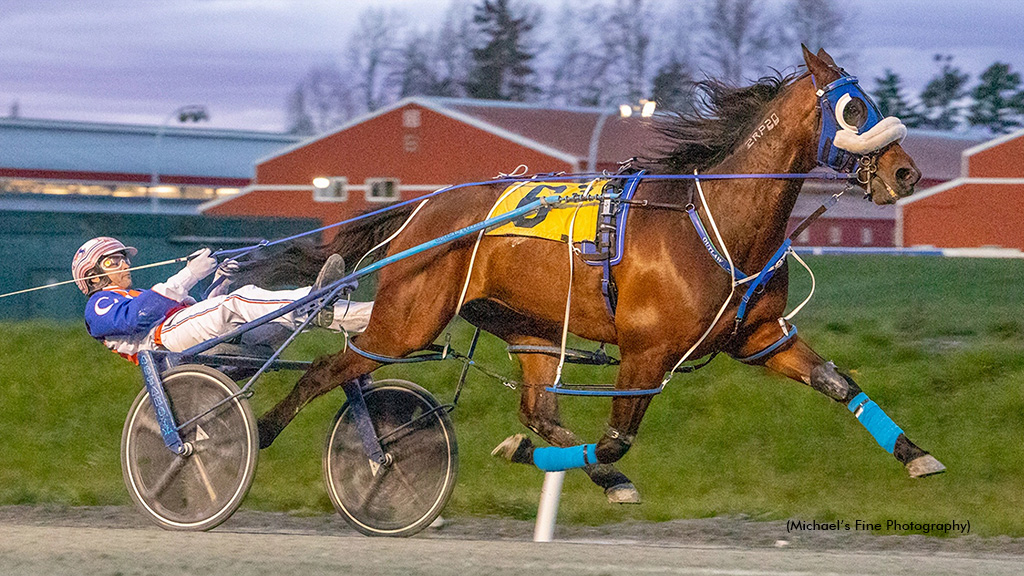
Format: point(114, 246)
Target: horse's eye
point(851, 112)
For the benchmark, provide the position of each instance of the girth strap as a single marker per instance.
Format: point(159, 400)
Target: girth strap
point(611, 211)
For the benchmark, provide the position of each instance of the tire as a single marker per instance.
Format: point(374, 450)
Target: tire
point(201, 490)
point(405, 496)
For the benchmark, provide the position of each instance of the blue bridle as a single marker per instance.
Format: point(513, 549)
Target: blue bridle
point(844, 106)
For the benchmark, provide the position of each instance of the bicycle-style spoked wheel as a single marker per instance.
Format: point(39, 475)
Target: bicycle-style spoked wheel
point(202, 489)
point(405, 495)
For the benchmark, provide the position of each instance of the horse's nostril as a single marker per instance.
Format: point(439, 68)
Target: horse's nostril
point(905, 175)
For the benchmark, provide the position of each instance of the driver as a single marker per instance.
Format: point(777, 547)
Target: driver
point(165, 317)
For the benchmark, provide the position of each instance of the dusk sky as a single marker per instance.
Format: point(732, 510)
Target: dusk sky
point(135, 61)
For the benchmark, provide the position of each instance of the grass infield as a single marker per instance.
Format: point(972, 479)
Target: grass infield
point(938, 343)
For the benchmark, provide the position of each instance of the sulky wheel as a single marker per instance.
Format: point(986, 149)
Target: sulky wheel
point(202, 489)
point(405, 495)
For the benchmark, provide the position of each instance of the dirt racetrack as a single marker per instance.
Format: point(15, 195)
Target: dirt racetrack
point(114, 540)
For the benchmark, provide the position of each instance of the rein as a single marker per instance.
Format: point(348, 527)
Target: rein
point(557, 176)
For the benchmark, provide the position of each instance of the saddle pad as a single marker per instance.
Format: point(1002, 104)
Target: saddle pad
point(550, 222)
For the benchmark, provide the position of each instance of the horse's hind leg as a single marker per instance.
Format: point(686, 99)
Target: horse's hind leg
point(326, 373)
point(401, 323)
point(801, 363)
point(538, 411)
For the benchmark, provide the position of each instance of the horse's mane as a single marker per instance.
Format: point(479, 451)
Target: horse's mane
point(722, 117)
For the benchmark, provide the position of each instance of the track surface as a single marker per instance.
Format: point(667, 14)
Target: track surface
point(118, 541)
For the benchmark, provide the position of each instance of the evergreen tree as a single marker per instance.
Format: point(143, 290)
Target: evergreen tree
point(502, 68)
point(941, 94)
point(416, 76)
point(888, 95)
point(673, 86)
point(998, 100)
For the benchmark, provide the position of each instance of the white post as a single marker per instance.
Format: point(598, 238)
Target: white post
point(547, 511)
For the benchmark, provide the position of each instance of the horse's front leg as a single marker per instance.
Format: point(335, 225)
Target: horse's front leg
point(538, 411)
point(799, 362)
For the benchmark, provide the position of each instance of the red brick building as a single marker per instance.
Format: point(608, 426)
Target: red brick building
point(983, 207)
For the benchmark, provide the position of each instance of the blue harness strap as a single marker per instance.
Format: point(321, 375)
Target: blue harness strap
point(757, 282)
point(877, 422)
point(763, 277)
point(705, 239)
point(786, 337)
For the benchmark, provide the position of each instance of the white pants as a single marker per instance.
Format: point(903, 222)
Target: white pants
point(219, 315)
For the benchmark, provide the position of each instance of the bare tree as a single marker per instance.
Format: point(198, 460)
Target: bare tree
point(818, 24)
point(738, 40)
point(322, 100)
point(578, 71)
point(629, 26)
point(453, 47)
point(373, 55)
point(299, 120)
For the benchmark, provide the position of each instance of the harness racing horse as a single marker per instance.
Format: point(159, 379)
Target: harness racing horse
point(671, 293)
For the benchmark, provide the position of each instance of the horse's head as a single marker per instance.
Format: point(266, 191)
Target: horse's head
point(854, 136)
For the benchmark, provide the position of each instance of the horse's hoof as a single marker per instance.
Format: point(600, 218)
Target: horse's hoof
point(516, 448)
point(623, 494)
point(923, 466)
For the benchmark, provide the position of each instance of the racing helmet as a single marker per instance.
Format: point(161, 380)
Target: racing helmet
point(90, 254)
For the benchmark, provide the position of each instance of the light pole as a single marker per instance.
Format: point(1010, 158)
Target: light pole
point(189, 113)
point(646, 109)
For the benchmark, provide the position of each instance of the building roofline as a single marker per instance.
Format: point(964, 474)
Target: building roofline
point(435, 105)
point(149, 129)
point(345, 126)
point(218, 201)
point(955, 183)
point(991, 144)
point(500, 132)
point(520, 105)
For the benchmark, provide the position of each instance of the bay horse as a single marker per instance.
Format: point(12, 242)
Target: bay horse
point(669, 288)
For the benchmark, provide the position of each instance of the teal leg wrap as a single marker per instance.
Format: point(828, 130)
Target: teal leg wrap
point(553, 459)
point(877, 422)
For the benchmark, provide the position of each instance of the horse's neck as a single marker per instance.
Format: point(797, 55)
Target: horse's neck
point(753, 213)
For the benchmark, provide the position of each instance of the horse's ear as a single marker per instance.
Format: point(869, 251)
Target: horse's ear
point(826, 58)
point(816, 66)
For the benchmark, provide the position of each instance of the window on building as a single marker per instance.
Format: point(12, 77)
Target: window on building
point(381, 189)
point(335, 191)
point(866, 236)
point(411, 143)
point(411, 118)
point(835, 235)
